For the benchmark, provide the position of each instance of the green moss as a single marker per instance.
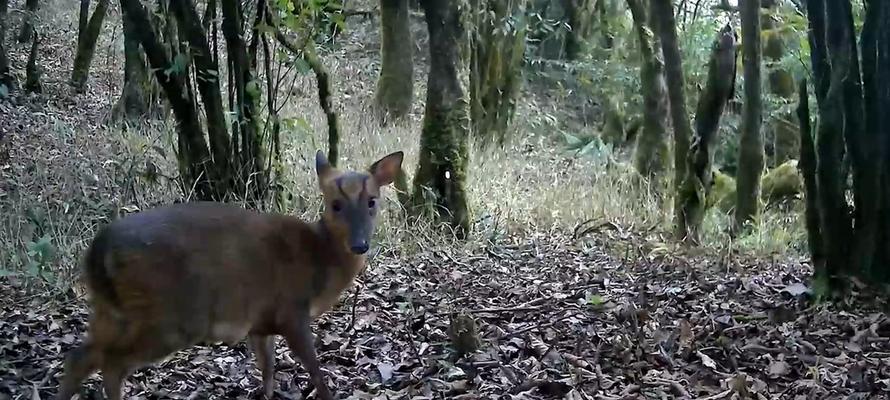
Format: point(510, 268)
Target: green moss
point(782, 182)
point(722, 193)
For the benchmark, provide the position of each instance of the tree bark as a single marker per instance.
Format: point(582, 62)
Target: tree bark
point(86, 47)
point(7, 81)
point(395, 85)
point(207, 77)
point(718, 89)
point(676, 86)
point(139, 93)
point(785, 135)
point(27, 28)
point(497, 52)
point(652, 152)
point(32, 70)
point(580, 15)
point(866, 152)
point(808, 170)
point(439, 184)
point(194, 162)
point(83, 18)
point(751, 154)
point(247, 97)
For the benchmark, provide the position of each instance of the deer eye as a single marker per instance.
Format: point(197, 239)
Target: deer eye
point(372, 203)
point(336, 206)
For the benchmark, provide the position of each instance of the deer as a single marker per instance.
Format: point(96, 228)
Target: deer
point(172, 277)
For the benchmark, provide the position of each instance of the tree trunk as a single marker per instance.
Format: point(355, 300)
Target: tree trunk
point(808, 170)
point(207, 78)
point(86, 47)
point(138, 94)
point(7, 81)
point(27, 28)
point(652, 152)
point(676, 85)
point(785, 135)
point(865, 146)
point(580, 15)
point(395, 86)
point(247, 98)
point(195, 163)
point(751, 154)
point(496, 56)
point(32, 70)
point(711, 103)
point(83, 18)
point(439, 184)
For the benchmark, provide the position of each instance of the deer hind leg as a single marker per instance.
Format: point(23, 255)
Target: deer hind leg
point(264, 347)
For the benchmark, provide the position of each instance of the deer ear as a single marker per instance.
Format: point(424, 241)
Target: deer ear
point(322, 166)
point(386, 168)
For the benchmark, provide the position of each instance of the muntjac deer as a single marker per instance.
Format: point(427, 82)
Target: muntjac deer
point(169, 278)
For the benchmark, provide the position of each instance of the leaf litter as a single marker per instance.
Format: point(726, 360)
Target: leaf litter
point(552, 317)
point(657, 330)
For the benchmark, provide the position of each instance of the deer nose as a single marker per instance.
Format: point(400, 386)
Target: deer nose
point(360, 247)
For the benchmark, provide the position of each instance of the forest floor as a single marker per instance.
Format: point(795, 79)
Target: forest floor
point(556, 319)
point(605, 316)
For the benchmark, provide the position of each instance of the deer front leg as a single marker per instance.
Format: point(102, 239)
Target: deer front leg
point(300, 340)
point(264, 348)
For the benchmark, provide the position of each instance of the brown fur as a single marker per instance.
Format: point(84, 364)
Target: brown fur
point(172, 277)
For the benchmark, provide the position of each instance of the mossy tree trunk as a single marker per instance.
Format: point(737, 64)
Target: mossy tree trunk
point(751, 153)
point(86, 47)
point(566, 42)
point(718, 89)
point(652, 152)
point(580, 15)
point(676, 83)
point(497, 51)
point(785, 135)
point(852, 114)
point(395, 85)
point(440, 181)
point(27, 29)
point(7, 81)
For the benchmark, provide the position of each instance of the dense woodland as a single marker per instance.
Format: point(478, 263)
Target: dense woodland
point(599, 199)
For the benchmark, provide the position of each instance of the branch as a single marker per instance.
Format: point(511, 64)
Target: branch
point(306, 51)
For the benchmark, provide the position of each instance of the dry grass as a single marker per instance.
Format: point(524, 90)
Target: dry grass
point(80, 173)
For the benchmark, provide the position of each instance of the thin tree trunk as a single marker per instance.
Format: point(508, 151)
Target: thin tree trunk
point(652, 153)
point(496, 55)
point(808, 169)
point(395, 86)
point(7, 82)
point(195, 158)
point(676, 85)
point(247, 97)
point(32, 70)
point(718, 89)
point(751, 154)
point(867, 154)
point(207, 77)
point(27, 28)
point(86, 47)
point(439, 184)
